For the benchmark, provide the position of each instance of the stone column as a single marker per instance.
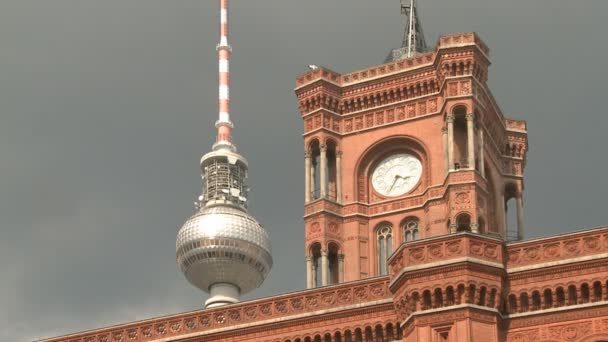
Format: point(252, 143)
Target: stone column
point(474, 228)
point(520, 216)
point(309, 284)
point(339, 176)
point(341, 268)
point(450, 121)
point(453, 228)
point(554, 299)
point(446, 156)
point(471, 141)
point(323, 171)
point(502, 213)
point(482, 162)
point(307, 175)
point(324, 277)
point(314, 272)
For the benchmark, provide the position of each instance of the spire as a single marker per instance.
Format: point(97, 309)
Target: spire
point(223, 124)
point(413, 37)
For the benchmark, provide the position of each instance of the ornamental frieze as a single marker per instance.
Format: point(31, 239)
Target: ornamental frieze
point(578, 245)
point(225, 317)
point(558, 317)
point(461, 245)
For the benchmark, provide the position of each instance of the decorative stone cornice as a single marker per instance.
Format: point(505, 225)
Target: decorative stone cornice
point(557, 250)
point(278, 309)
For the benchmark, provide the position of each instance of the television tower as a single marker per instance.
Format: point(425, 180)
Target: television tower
point(413, 38)
point(222, 249)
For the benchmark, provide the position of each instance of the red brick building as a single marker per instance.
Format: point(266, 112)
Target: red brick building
point(408, 166)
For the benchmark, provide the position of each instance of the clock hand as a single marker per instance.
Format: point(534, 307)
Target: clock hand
point(392, 185)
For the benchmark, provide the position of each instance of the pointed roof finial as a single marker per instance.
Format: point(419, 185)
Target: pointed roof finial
point(413, 38)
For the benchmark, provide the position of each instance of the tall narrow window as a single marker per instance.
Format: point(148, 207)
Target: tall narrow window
point(385, 247)
point(410, 229)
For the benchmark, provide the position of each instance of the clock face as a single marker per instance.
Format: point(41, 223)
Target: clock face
point(397, 174)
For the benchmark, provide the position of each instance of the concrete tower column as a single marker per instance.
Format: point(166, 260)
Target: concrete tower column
point(471, 141)
point(323, 171)
point(450, 121)
point(324, 275)
point(446, 155)
point(307, 175)
point(309, 284)
point(339, 176)
point(341, 268)
point(520, 216)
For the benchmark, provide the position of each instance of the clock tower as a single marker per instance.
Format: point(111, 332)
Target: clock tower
point(411, 149)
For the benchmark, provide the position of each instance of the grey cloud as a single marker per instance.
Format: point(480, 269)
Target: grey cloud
point(107, 106)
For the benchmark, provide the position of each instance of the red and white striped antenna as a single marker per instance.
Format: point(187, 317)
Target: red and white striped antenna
point(223, 124)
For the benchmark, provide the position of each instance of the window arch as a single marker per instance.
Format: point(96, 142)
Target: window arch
point(384, 237)
point(411, 229)
point(463, 223)
point(333, 272)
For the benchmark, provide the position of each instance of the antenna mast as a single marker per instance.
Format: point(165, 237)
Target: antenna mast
point(413, 37)
point(223, 124)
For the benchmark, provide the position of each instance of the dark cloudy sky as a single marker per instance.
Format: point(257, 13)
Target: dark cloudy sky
point(107, 105)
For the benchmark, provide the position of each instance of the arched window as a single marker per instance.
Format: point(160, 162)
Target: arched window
point(315, 252)
point(369, 336)
point(512, 304)
point(385, 246)
point(572, 295)
point(411, 229)
point(597, 291)
point(450, 295)
point(548, 298)
point(561, 296)
point(438, 298)
point(463, 223)
point(333, 263)
point(584, 293)
point(536, 300)
point(523, 299)
point(426, 300)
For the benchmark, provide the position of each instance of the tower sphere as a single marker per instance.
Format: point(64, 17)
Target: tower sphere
point(221, 249)
point(222, 244)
